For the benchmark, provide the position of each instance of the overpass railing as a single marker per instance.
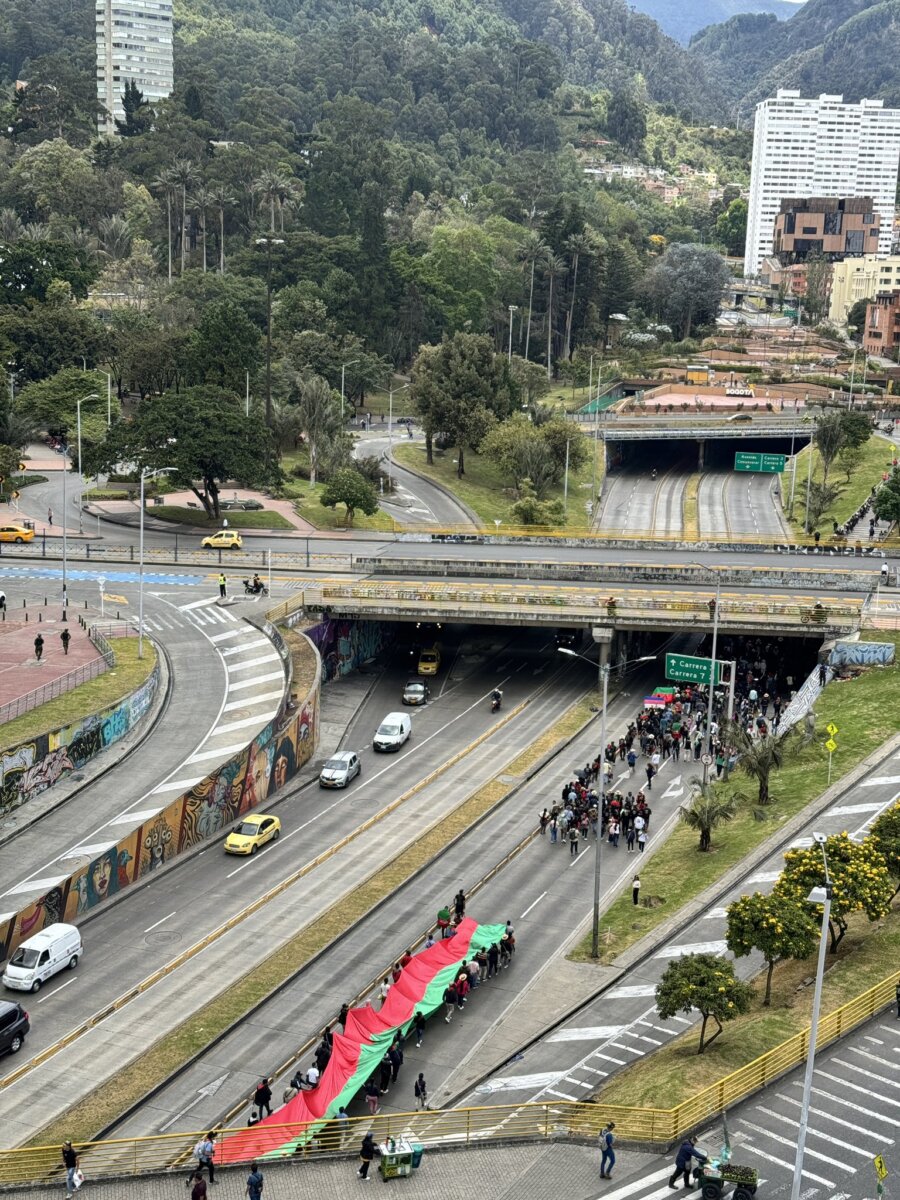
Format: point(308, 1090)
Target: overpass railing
point(658, 1128)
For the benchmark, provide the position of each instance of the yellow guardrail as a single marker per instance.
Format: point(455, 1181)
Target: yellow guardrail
point(472, 1126)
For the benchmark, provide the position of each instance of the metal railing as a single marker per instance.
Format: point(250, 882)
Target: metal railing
point(63, 683)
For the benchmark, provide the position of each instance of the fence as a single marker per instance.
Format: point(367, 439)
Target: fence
point(63, 683)
point(468, 1126)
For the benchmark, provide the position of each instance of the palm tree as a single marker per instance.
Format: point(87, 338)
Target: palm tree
point(10, 226)
point(202, 200)
point(185, 175)
point(272, 184)
point(552, 266)
point(319, 417)
point(757, 758)
point(221, 198)
point(577, 245)
point(166, 182)
point(286, 425)
point(115, 237)
point(531, 251)
point(706, 810)
point(35, 231)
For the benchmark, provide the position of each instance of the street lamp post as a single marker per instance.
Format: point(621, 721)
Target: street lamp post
point(604, 679)
point(818, 895)
point(78, 404)
point(712, 689)
point(852, 376)
point(344, 366)
point(146, 473)
point(269, 242)
point(513, 308)
point(809, 480)
point(391, 428)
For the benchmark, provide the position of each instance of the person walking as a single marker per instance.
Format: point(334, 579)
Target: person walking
point(686, 1151)
point(2, 601)
point(451, 998)
point(342, 1119)
point(70, 1162)
point(642, 840)
point(554, 830)
point(204, 1152)
point(38, 647)
point(650, 773)
point(262, 1097)
point(373, 1092)
point(223, 586)
point(198, 1191)
point(419, 1026)
point(49, 516)
point(636, 890)
point(608, 1156)
point(573, 842)
point(421, 1092)
point(65, 637)
point(544, 821)
point(459, 905)
point(254, 1183)
point(366, 1154)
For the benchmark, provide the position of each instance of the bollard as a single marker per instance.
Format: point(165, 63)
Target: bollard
point(45, 602)
point(26, 616)
point(85, 609)
point(41, 617)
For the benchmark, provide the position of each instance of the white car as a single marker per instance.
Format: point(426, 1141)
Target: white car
point(392, 732)
point(340, 769)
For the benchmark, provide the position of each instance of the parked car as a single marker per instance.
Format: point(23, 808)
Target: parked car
point(16, 533)
point(254, 831)
point(416, 692)
point(223, 539)
point(340, 769)
point(392, 732)
point(14, 1026)
point(240, 505)
point(42, 956)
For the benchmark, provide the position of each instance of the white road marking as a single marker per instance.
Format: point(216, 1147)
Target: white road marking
point(55, 990)
point(783, 1141)
point(630, 990)
point(715, 913)
point(589, 1033)
point(161, 921)
point(515, 1083)
point(38, 885)
point(249, 683)
point(779, 1162)
point(636, 1185)
point(609, 1058)
point(176, 785)
point(717, 947)
point(877, 780)
point(816, 1133)
point(885, 1062)
point(827, 1116)
point(230, 633)
point(224, 753)
point(853, 1087)
point(262, 641)
point(231, 668)
point(139, 817)
point(846, 810)
point(266, 698)
point(197, 604)
point(532, 905)
point(765, 877)
point(247, 721)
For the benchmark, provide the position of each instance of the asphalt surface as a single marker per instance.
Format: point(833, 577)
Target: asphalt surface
point(632, 502)
point(730, 502)
point(415, 500)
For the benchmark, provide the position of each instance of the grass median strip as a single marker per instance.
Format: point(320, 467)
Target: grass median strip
point(690, 508)
point(82, 1120)
point(866, 715)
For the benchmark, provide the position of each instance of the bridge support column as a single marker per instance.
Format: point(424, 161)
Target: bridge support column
point(701, 455)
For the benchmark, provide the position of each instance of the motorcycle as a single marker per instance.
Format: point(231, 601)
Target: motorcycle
point(496, 700)
point(653, 473)
point(251, 590)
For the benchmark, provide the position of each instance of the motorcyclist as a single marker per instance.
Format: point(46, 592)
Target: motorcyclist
point(653, 473)
point(496, 698)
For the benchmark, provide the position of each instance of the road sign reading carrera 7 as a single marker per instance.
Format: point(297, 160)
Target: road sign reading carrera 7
point(690, 669)
point(768, 464)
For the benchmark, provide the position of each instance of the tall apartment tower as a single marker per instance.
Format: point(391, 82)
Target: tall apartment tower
point(820, 147)
point(134, 44)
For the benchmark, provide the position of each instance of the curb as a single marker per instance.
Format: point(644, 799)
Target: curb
point(441, 487)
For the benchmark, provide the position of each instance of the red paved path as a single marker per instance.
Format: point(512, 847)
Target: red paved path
point(20, 672)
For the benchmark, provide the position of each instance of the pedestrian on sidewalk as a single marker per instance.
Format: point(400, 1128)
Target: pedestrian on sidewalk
point(573, 842)
point(70, 1162)
point(642, 840)
point(629, 839)
point(223, 582)
point(38, 647)
point(49, 516)
point(262, 1097)
point(686, 1151)
point(366, 1154)
point(459, 905)
point(65, 637)
point(823, 675)
point(419, 1026)
point(608, 1157)
point(421, 1092)
point(373, 1092)
point(254, 1183)
point(554, 830)
point(204, 1152)
point(198, 1191)
point(384, 989)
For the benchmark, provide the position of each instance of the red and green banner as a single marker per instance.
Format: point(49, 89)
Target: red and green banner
point(357, 1052)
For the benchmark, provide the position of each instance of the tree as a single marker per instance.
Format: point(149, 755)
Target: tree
point(626, 120)
point(829, 438)
point(28, 268)
point(885, 837)
point(578, 245)
point(686, 285)
point(184, 176)
point(460, 389)
point(821, 498)
point(52, 402)
point(619, 277)
point(818, 283)
point(887, 498)
point(731, 227)
point(552, 267)
point(707, 983)
point(10, 456)
point(529, 510)
point(775, 926)
point(856, 317)
point(706, 810)
point(859, 878)
point(353, 490)
point(531, 252)
point(44, 338)
point(520, 452)
point(318, 414)
point(849, 458)
point(202, 433)
point(167, 183)
point(530, 379)
point(757, 758)
point(225, 346)
point(137, 111)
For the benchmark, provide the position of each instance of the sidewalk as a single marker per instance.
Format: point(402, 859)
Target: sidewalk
point(20, 671)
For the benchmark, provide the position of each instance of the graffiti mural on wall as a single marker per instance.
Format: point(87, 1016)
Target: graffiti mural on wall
point(345, 645)
point(862, 654)
point(28, 769)
point(268, 763)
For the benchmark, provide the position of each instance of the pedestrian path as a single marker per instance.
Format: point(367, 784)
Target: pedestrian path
point(92, 575)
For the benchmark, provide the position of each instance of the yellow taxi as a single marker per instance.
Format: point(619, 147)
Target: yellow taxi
point(254, 831)
point(430, 660)
point(223, 539)
point(16, 533)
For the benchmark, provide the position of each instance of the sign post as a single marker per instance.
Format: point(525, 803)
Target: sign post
point(831, 745)
point(690, 669)
point(881, 1171)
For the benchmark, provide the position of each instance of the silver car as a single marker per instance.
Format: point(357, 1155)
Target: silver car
point(340, 769)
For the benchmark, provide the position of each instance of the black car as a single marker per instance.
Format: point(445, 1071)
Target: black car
point(14, 1025)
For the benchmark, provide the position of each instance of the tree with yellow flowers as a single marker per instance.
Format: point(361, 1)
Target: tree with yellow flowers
point(707, 983)
point(885, 837)
point(774, 925)
point(859, 877)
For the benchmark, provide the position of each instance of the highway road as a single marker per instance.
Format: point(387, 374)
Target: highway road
point(634, 503)
point(415, 501)
point(730, 502)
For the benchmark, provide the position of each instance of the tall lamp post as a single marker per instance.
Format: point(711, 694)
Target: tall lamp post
point(344, 366)
point(818, 895)
point(269, 242)
point(391, 428)
point(78, 404)
point(604, 678)
point(513, 308)
point(146, 473)
point(710, 711)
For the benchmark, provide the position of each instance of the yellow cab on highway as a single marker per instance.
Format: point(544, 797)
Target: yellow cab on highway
point(254, 831)
point(430, 660)
point(223, 539)
point(16, 533)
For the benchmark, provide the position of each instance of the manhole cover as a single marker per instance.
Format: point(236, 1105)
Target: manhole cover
point(485, 1088)
point(163, 937)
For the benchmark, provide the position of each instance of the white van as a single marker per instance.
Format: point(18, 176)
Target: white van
point(51, 950)
point(392, 732)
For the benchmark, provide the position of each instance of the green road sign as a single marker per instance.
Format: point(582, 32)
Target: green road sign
point(689, 669)
point(767, 464)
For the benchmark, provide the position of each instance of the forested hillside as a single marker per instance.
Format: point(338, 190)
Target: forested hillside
point(681, 19)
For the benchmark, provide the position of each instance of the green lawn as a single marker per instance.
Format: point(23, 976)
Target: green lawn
point(237, 518)
point(866, 714)
point(489, 493)
point(308, 505)
point(876, 459)
point(125, 677)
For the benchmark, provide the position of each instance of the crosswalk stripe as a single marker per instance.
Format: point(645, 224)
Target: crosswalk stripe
point(220, 637)
point(716, 947)
point(248, 683)
point(885, 1062)
point(630, 990)
point(222, 753)
point(821, 1112)
point(232, 725)
point(204, 603)
point(251, 662)
point(779, 1162)
point(177, 785)
point(854, 1087)
point(813, 1132)
point(609, 1058)
point(260, 641)
point(249, 701)
point(636, 1185)
point(783, 1141)
point(589, 1033)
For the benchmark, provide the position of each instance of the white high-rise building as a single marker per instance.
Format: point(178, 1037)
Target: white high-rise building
point(134, 44)
point(820, 147)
